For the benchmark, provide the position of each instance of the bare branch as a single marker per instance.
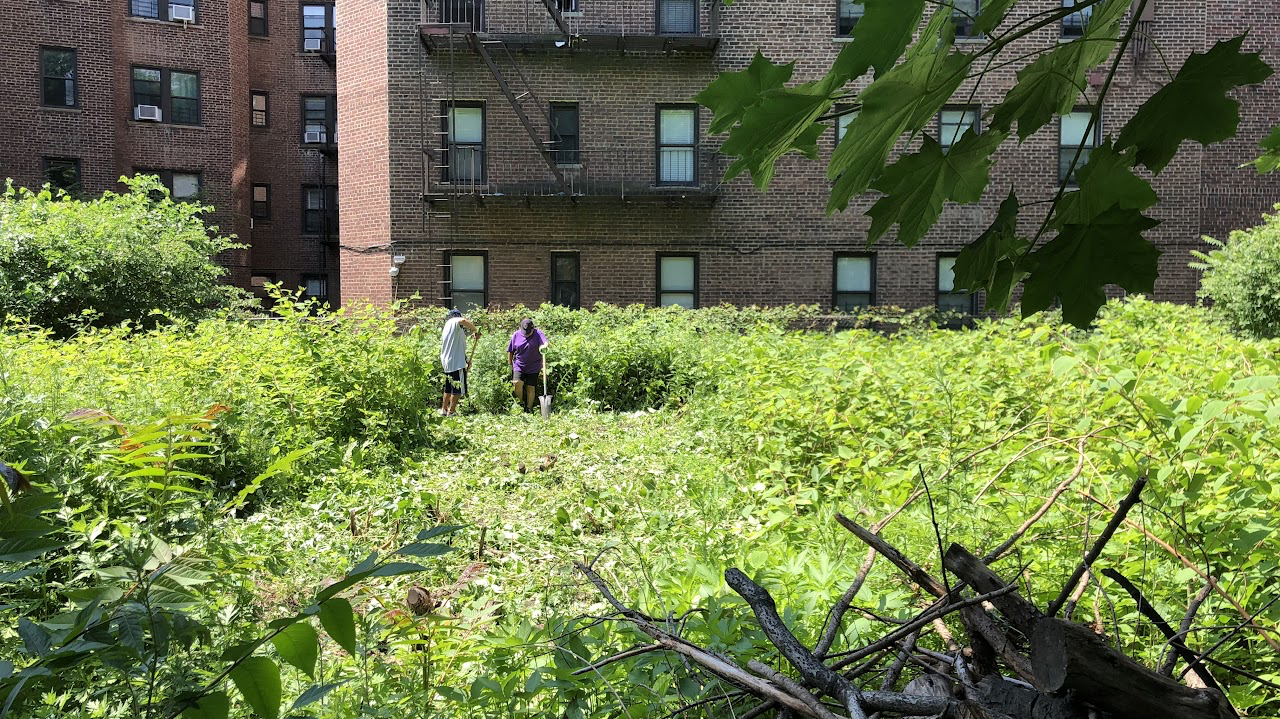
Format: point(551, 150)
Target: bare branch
point(1170, 659)
point(1122, 511)
point(632, 652)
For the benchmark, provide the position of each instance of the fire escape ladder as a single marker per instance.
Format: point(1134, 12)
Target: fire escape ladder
point(557, 17)
point(481, 48)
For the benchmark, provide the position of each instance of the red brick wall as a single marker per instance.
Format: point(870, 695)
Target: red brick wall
point(764, 249)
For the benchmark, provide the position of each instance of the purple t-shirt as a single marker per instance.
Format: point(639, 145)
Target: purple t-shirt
point(525, 349)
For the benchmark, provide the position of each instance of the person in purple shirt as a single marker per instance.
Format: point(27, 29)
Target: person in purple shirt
point(524, 354)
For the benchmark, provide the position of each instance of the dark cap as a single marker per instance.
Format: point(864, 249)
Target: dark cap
point(455, 312)
point(526, 325)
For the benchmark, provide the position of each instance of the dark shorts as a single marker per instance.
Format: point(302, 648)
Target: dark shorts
point(455, 382)
point(531, 378)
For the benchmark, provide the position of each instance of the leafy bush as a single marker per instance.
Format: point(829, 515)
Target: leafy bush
point(1242, 277)
point(66, 262)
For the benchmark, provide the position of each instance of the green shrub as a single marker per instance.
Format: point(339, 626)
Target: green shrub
point(122, 257)
point(1242, 277)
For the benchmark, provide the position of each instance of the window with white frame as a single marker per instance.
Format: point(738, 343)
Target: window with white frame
point(949, 296)
point(677, 145)
point(953, 122)
point(1076, 135)
point(468, 281)
point(677, 17)
point(842, 124)
point(848, 13)
point(854, 282)
point(964, 13)
point(678, 281)
point(464, 159)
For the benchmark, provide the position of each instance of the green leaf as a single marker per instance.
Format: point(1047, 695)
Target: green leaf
point(280, 466)
point(23, 549)
point(23, 526)
point(424, 549)
point(917, 184)
point(783, 121)
point(1195, 105)
point(35, 638)
point(992, 14)
point(991, 261)
point(882, 33)
point(906, 98)
point(128, 630)
point(258, 679)
point(338, 619)
point(1075, 266)
point(315, 694)
point(1269, 161)
point(299, 645)
point(210, 706)
point(395, 569)
point(732, 93)
point(439, 531)
point(1104, 181)
point(1053, 82)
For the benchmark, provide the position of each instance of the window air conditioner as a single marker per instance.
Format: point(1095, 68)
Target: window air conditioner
point(182, 13)
point(313, 137)
point(149, 113)
point(312, 44)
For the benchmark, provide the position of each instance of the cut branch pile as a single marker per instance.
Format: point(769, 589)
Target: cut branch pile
point(1016, 661)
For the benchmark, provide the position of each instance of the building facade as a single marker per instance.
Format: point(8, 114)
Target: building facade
point(232, 103)
point(525, 151)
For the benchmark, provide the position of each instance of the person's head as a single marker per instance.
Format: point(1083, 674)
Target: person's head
point(526, 326)
point(455, 312)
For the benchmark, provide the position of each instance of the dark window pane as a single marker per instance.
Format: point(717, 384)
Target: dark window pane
point(677, 17)
point(850, 301)
point(1074, 24)
point(849, 15)
point(147, 89)
point(63, 174)
point(59, 86)
point(468, 301)
point(564, 133)
point(964, 14)
point(145, 8)
point(257, 17)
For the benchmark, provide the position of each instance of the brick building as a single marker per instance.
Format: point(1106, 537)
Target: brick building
point(231, 102)
point(523, 151)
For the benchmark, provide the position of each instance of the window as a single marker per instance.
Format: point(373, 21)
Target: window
point(677, 144)
point(160, 9)
point(58, 76)
point(63, 173)
point(467, 280)
point(848, 13)
point(964, 13)
point(566, 286)
point(854, 282)
point(258, 17)
point(466, 12)
point(567, 5)
point(259, 104)
point(950, 298)
point(315, 287)
point(464, 151)
point(564, 133)
point(678, 281)
point(1075, 134)
point(319, 120)
point(261, 202)
point(183, 186)
point(677, 17)
point(320, 211)
point(1074, 24)
point(318, 28)
point(177, 94)
point(954, 121)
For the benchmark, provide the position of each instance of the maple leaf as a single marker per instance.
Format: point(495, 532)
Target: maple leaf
point(733, 93)
point(992, 262)
point(1107, 179)
point(1076, 265)
point(1195, 105)
point(916, 186)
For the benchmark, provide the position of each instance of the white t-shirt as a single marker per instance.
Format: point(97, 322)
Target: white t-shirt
point(453, 345)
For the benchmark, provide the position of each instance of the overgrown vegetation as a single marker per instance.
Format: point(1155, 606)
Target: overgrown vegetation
point(132, 256)
point(683, 444)
point(1242, 278)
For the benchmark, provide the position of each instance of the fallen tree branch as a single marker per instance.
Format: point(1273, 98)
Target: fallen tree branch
point(1148, 611)
point(1262, 631)
point(632, 652)
point(790, 685)
point(1171, 658)
point(814, 671)
point(1122, 511)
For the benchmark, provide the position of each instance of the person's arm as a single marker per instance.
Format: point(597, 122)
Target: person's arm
point(468, 326)
point(543, 347)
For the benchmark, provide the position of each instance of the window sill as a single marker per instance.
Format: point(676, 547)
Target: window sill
point(171, 23)
point(972, 40)
point(62, 109)
point(260, 38)
point(169, 125)
point(841, 39)
point(1064, 39)
point(573, 13)
point(572, 166)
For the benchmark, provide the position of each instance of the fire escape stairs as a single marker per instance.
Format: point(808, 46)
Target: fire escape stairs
point(517, 100)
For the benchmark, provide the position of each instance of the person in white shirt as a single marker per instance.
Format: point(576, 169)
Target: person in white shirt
point(453, 357)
